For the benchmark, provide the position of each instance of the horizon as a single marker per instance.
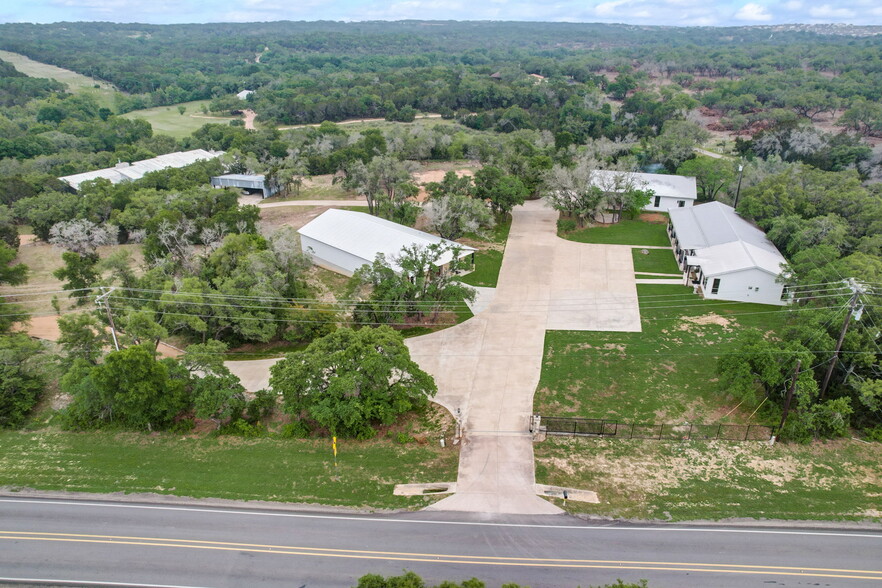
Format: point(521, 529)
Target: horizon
point(668, 13)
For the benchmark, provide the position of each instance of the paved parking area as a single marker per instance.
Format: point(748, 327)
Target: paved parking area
point(488, 367)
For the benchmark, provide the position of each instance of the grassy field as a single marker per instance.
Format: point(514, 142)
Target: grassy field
point(488, 260)
point(626, 232)
point(660, 261)
point(836, 480)
point(167, 120)
point(282, 470)
point(664, 374)
point(76, 83)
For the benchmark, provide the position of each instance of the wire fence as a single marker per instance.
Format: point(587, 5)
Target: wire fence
point(575, 426)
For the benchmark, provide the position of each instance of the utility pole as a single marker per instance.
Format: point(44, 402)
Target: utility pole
point(102, 300)
point(790, 396)
point(738, 189)
point(856, 291)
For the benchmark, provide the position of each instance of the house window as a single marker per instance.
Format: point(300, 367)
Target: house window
point(657, 201)
point(681, 203)
point(716, 286)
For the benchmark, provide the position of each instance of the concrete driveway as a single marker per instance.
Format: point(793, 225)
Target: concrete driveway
point(488, 367)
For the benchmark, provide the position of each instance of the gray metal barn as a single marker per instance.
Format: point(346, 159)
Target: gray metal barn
point(245, 182)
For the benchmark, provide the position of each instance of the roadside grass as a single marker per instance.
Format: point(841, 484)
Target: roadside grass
point(834, 480)
point(460, 314)
point(664, 374)
point(363, 209)
point(105, 93)
point(659, 261)
point(652, 277)
point(488, 260)
point(625, 232)
point(266, 468)
point(166, 120)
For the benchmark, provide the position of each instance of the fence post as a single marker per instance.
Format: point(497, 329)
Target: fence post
point(747, 433)
point(719, 430)
point(661, 429)
point(689, 434)
point(632, 430)
point(574, 428)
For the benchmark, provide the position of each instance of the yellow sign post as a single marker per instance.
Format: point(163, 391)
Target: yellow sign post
point(335, 451)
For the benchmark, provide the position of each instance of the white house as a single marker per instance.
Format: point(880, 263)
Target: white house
point(670, 191)
point(244, 94)
point(125, 172)
point(343, 241)
point(725, 257)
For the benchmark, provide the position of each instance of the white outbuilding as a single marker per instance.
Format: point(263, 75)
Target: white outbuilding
point(669, 191)
point(343, 241)
point(725, 257)
point(126, 172)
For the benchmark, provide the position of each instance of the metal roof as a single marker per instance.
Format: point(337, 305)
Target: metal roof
point(123, 172)
point(364, 235)
point(662, 185)
point(723, 241)
point(242, 177)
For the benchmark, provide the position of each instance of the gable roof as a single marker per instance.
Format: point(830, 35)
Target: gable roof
point(723, 241)
point(364, 235)
point(123, 171)
point(682, 187)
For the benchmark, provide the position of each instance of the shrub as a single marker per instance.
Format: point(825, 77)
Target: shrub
point(566, 225)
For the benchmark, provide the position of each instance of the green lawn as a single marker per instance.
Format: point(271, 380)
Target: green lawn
point(836, 480)
point(488, 260)
point(283, 470)
point(76, 83)
point(653, 277)
point(664, 374)
point(166, 120)
point(626, 232)
point(659, 261)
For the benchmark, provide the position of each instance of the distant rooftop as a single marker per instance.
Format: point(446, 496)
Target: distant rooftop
point(124, 172)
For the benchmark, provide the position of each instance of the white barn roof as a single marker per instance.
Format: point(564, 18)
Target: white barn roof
point(124, 172)
point(681, 187)
point(364, 235)
point(723, 241)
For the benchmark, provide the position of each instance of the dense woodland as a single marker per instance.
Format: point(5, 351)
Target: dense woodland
point(538, 106)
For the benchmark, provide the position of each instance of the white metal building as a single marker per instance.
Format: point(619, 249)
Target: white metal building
point(670, 191)
point(725, 257)
point(343, 240)
point(251, 182)
point(125, 172)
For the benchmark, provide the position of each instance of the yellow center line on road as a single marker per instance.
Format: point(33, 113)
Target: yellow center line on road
point(444, 558)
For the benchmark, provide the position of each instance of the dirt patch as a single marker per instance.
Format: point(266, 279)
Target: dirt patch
point(435, 175)
point(707, 319)
point(653, 217)
point(294, 216)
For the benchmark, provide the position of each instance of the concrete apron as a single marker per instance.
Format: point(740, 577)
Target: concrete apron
point(488, 367)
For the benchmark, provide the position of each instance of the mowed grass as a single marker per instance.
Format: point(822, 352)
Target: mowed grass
point(167, 120)
point(318, 188)
point(664, 374)
point(282, 470)
point(76, 83)
point(488, 260)
point(660, 261)
point(836, 480)
point(625, 232)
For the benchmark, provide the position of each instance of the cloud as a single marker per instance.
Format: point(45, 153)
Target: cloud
point(793, 5)
point(826, 11)
point(753, 12)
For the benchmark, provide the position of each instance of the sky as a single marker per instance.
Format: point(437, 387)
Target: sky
point(652, 12)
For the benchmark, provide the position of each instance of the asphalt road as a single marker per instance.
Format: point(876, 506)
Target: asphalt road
point(84, 543)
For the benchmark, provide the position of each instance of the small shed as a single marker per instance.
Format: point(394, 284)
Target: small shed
point(244, 94)
point(343, 241)
point(250, 182)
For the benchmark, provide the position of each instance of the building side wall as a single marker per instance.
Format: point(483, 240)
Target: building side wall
point(751, 285)
point(331, 258)
point(666, 203)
